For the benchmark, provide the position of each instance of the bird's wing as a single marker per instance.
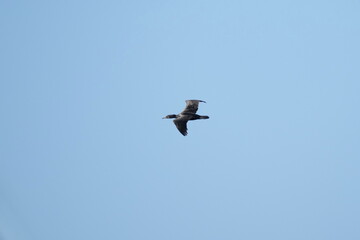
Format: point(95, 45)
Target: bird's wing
point(181, 125)
point(192, 106)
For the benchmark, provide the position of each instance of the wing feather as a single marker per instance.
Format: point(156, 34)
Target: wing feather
point(192, 106)
point(181, 125)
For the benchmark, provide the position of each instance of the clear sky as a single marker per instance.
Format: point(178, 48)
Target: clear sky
point(84, 153)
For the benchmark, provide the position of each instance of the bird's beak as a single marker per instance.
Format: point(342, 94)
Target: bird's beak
point(163, 117)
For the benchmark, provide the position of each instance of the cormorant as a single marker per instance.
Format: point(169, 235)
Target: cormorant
point(189, 113)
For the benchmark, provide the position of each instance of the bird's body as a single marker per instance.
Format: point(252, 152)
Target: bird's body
point(189, 113)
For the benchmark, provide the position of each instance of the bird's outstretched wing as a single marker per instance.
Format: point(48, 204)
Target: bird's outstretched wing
point(180, 124)
point(192, 106)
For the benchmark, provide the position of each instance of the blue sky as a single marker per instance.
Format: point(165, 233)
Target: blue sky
point(84, 151)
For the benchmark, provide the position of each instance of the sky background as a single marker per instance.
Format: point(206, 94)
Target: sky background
point(84, 153)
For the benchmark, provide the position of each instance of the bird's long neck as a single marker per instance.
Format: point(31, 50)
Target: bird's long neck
point(172, 116)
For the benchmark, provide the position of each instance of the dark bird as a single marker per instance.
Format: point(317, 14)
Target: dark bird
point(189, 113)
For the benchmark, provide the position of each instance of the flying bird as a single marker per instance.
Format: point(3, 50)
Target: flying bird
point(189, 113)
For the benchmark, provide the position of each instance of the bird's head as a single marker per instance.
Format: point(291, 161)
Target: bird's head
point(170, 116)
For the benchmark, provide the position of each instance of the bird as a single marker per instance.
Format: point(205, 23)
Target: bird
point(189, 113)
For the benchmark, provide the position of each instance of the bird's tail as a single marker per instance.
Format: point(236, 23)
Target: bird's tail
point(204, 117)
